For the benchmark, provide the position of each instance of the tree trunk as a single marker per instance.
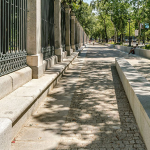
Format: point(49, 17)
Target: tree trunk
point(117, 36)
point(122, 38)
point(106, 34)
point(139, 36)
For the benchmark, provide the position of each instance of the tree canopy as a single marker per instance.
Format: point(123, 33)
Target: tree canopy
point(107, 19)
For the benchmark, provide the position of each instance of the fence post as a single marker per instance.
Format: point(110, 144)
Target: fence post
point(76, 33)
point(57, 29)
point(79, 35)
point(84, 38)
point(87, 39)
point(73, 31)
point(67, 20)
point(35, 57)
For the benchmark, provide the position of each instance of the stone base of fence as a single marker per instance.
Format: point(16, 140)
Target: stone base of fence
point(73, 47)
point(18, 105)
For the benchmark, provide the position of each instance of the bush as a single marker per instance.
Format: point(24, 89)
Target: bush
point(147, 46)
point(119, 43)
point(112, 42)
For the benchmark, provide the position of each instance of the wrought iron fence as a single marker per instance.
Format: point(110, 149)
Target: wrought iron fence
point(13, 16)
point(63, 34)
point(47, 10)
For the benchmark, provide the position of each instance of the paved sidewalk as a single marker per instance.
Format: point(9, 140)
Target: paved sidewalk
point(88, 109)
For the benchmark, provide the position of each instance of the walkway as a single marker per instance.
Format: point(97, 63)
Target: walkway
point(88, 109)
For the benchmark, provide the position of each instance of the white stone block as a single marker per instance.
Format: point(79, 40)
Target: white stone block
point(35, 60)
point(137, 51)
point(12, 106)
point(21, 77)
point(27, 92)
point(6, 85)
point(5, 133)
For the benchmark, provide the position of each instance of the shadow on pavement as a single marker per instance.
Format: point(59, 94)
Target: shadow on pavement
point(99, 116)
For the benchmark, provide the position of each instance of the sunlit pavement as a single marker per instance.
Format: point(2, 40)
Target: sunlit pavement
point(88, 109)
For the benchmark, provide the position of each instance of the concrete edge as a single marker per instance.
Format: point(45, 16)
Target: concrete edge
point(139, 51)
point(137, 89)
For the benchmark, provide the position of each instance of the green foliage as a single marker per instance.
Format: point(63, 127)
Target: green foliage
point(85, 16)
point(112, 42)
point(147, 46)
point(107, 19)
point(119, 43)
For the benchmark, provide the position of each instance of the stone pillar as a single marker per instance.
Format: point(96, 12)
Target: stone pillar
point(81, 35)
point(67, 22)
point(35, 57)
point(73, 32)
point(78, 35)
point(57, 29)
point(84, 38)
point(87, 39)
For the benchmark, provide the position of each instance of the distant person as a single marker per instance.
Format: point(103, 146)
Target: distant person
point(133, 49)
point(143, 42)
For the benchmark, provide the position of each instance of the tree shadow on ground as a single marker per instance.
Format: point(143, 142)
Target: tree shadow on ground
point(91, 112)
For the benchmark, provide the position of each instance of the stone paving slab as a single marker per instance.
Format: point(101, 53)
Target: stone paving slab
point(88, 110)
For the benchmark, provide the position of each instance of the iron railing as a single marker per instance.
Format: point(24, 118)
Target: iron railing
point(47, 15)
point(63, 34)
point(13, 19)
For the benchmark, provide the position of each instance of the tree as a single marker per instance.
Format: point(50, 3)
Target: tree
point(114, 11)
point(138, 14)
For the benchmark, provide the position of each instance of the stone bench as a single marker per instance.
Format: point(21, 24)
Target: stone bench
point(17, 105)
point(138, 51)
point(137, 89)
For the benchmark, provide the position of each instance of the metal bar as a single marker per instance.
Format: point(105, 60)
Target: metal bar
point(8, 25)
point(5, 29)
point(25, 22)
point(3, 24)
point(19, 26)
point(0, 26)
point(16, 25)
point(13, 28)
point(23, 25)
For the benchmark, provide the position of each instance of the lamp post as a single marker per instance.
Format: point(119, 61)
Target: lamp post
point(129, 20)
